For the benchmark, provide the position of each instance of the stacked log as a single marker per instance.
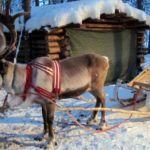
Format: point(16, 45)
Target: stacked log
point(58, 44)
point(141, 50)
point(38, 44)
point(54, 44)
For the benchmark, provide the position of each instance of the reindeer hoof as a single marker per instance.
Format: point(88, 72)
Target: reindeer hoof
point(38, 138)
point(102, 126)
point(41, 136)
point(92, 121)
point(50, 145)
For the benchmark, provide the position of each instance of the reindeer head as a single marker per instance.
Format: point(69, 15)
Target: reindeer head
point(7, 20)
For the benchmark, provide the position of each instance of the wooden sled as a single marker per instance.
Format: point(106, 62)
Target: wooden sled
point(140, 86)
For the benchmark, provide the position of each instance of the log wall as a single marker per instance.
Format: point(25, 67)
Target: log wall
point(58, 44)
point(141, 49)
point(54, 44)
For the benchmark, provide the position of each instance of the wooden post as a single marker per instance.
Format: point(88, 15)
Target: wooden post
point(140, 46)
point(115, 110)
point(27, 8)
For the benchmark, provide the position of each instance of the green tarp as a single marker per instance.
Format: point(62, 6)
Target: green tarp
point(119, 46)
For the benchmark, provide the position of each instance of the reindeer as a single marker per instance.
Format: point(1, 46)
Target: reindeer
point(78, 74)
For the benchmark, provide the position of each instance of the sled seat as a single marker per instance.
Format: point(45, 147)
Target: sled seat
point(141, 81)
point(139, 85)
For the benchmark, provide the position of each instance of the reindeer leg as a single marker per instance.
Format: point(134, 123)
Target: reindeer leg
point(103, 123)
point(44, 114)
point(100, 100)
point(50, 118)
point(45, 130)
point(94, 116)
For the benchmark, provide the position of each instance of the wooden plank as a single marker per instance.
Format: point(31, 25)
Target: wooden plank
point(137, 26)
point(54, 56)
point(38, 46)
point(59, 49)
point(53, 44)
point(100, 29)
point(56, 31)
point(88, 25)
point(110, 16)
point(141, 32)
point(139, 113)
point(38, 51)
point(89, 20)
point(143, 77)
point(38, 42)
point(140, 42)
point(142, 85)
point(32, 35)
point(53, 50)
point(55, 38)
point(140, 38)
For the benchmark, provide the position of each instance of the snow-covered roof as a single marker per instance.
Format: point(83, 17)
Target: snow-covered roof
point(59, 15)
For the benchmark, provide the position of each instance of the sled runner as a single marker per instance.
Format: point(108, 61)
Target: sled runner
point(140, 86)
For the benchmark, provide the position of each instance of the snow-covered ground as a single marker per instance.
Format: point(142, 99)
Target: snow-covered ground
point(19, 127)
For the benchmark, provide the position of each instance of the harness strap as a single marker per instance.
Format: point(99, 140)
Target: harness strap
point(56, 78)
point(43, 68)
point(44, 93)
point(28, 81)
point(54, 71)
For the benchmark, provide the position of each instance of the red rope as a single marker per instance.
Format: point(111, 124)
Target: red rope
point(97, 131)
point(28, 81)
point(44, 93)
point(110, 128)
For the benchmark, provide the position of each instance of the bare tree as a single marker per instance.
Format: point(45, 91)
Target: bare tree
point(0, 12)
point(27, 7)
point(140, 4)
point(37, 2)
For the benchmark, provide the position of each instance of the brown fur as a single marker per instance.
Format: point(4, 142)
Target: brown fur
point(78, 74)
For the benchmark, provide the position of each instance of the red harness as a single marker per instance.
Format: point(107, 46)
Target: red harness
point(54, 72)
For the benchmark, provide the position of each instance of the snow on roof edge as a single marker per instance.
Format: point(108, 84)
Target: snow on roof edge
point(59, 15)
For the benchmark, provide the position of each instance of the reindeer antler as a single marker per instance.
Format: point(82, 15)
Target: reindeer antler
point(8, 21)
